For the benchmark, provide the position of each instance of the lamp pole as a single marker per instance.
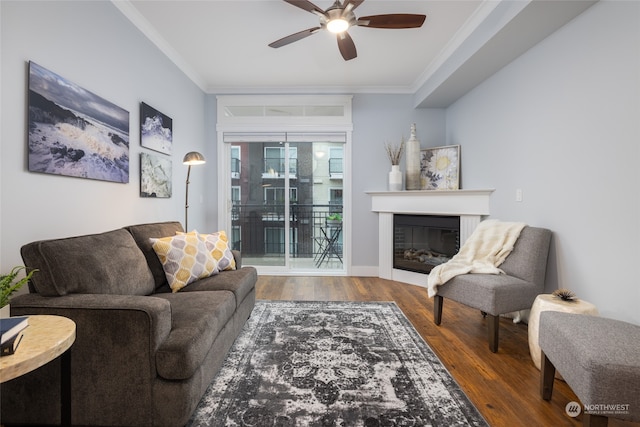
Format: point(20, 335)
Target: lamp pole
point(186, 202)
point(191, 158)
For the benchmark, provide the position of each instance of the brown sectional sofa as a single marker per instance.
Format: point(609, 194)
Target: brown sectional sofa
point(143, 355)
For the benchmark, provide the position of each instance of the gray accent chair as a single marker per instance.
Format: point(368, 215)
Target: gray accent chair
point(599, 358)
point(495, 294)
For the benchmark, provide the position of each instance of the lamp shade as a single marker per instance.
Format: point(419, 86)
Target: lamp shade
point(193, 158)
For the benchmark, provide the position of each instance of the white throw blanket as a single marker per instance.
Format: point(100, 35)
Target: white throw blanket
point(487, 247)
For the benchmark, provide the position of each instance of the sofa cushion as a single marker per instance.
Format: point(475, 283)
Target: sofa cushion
point(241, 282)
point(106, 263)
point(196, 320)
point(185, 258)
point(492, 293)
point(142, 233)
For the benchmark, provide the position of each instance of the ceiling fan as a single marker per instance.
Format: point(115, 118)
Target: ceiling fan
point(340, 17)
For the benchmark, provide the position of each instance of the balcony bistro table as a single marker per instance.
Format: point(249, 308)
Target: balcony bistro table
point(46, 338)
point(329, 246)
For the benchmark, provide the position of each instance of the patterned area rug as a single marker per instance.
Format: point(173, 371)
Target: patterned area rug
point(332, 364)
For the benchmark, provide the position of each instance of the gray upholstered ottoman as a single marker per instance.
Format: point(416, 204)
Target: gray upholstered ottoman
point(600, 360)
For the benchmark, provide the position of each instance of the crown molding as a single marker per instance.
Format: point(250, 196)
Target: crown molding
point(139, 21)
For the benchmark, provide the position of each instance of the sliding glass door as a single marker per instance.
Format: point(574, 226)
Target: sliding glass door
point(287, 200)
point(283, 181)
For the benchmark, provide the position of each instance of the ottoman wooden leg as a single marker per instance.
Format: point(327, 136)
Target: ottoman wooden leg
point(547, 375)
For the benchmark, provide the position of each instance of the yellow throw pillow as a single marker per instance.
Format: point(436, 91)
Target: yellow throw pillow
point(218, 244)
point(185, 258)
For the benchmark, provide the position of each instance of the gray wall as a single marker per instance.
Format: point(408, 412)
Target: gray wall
point(378, 119)
point(561, 123)
point(95, 46)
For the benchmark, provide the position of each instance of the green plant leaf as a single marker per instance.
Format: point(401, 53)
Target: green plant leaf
point(8, 285)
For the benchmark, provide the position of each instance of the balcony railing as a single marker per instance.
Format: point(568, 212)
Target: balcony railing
point(259, 230)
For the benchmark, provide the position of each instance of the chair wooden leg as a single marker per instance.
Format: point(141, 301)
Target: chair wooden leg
point(589, 420)
point(493, 322)
point(437, 309)
point(547, 375)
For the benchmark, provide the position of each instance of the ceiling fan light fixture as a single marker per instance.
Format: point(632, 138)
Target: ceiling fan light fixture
point(338, 25)
point(340, 17)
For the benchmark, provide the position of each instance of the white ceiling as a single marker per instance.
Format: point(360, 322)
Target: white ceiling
point(222, 45)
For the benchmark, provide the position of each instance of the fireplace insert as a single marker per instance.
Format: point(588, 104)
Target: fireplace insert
point(420, 242)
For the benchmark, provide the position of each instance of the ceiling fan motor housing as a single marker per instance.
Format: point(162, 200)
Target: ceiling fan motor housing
point(333, 14)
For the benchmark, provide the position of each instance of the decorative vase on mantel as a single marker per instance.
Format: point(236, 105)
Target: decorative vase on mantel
point(412, 181)
point(395, 178)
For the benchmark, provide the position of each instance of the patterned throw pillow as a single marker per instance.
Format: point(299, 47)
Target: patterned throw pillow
point(185, 258)
point(218, 245)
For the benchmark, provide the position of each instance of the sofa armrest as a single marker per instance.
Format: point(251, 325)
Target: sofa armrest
point(117, 337)
point(238, 257)
point(155, 313)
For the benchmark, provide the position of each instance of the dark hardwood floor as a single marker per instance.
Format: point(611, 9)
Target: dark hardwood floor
point(504, 386)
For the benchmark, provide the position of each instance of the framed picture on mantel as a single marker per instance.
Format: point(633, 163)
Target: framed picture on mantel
point(440, 168)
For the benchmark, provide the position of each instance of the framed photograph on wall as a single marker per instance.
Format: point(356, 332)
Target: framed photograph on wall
point(156, 129)
point(155, 176)
point(440, 168)
point(74, 132)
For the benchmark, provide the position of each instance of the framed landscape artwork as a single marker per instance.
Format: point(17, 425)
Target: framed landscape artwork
point(440, 168)
point(156, 129)
point(74, 132)
point(155, 176)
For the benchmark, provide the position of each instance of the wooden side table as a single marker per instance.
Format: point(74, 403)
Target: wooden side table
point(46, 338)
point(548, 302)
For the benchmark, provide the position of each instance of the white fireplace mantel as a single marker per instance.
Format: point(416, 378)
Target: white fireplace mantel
point(469, 205)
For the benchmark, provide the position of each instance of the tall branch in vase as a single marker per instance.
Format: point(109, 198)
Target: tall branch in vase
point(394, 152)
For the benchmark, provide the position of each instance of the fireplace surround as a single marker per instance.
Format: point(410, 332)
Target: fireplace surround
point(471, 206)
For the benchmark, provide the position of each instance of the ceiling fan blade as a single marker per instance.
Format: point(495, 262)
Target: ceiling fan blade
point(351, 4)
point(306, 5)
point(294, 37)
point(393, 21)
point(347, 46)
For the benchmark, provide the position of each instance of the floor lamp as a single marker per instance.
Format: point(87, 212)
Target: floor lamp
point(191, 158)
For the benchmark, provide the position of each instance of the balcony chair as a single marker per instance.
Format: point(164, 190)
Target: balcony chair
point(496, 294)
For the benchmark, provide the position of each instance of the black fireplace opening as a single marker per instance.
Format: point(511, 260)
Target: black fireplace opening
point(420, 242)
